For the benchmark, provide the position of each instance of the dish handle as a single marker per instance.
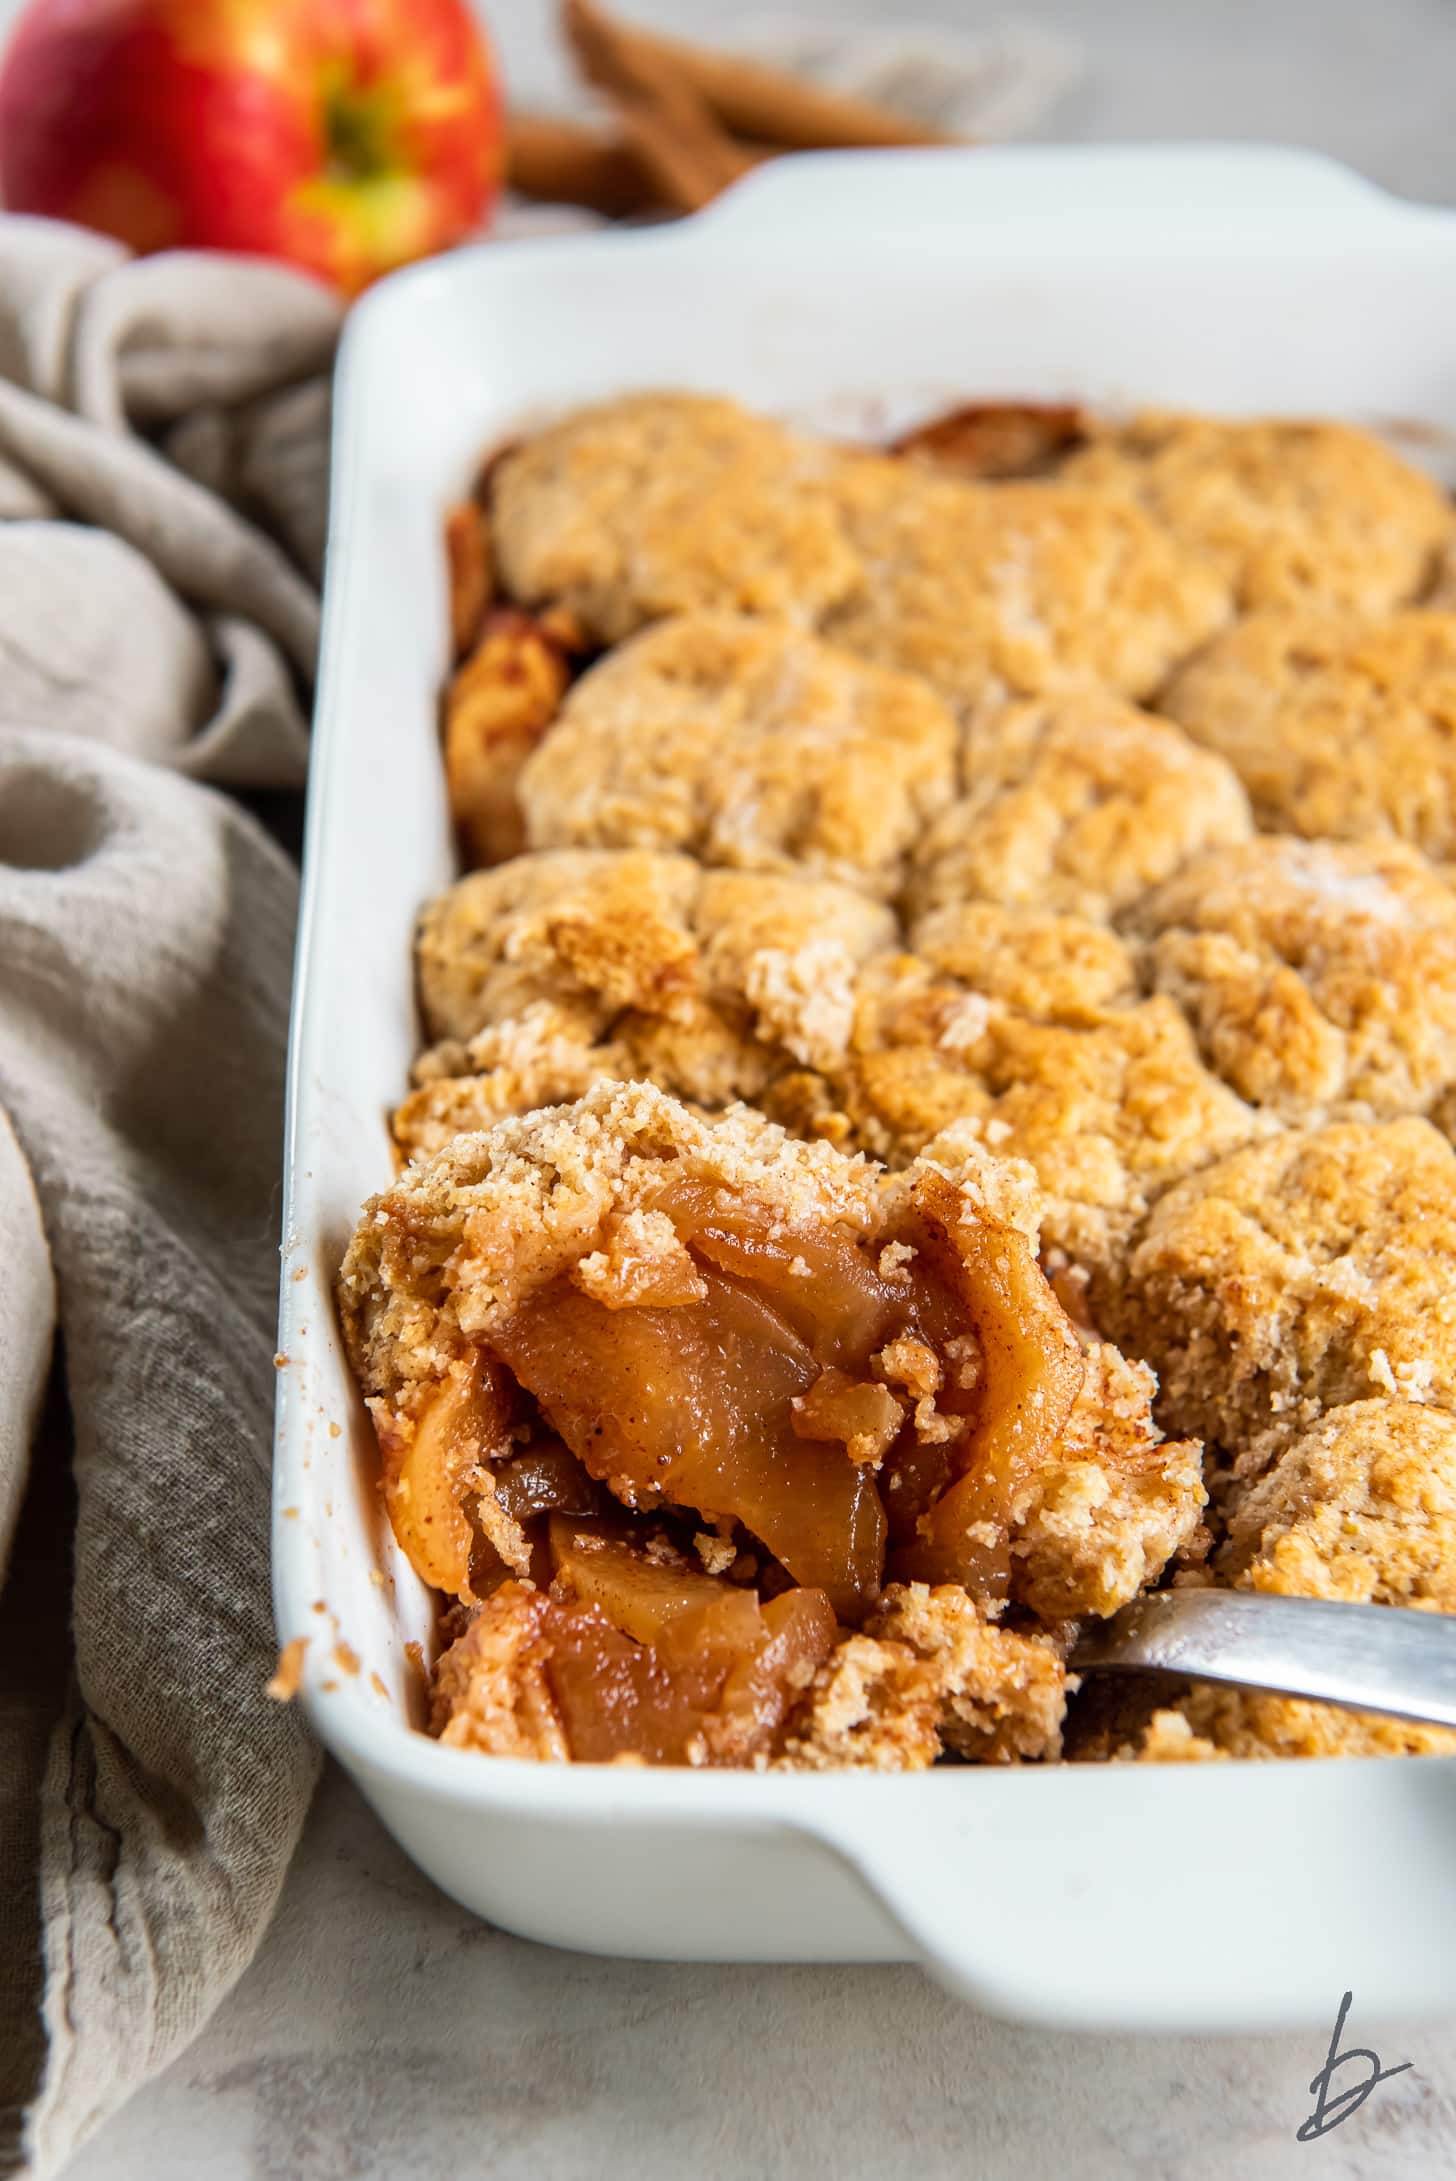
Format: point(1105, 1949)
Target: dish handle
point(1142, 185)
point(1071, 1896)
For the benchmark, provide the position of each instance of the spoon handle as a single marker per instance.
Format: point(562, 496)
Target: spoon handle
point(1370, 1657)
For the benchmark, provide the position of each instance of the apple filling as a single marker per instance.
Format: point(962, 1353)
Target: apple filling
point(851, 1407)
point(627, 1658)
point(845, 1402)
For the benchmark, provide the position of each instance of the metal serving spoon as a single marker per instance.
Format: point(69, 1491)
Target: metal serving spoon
point(1370, 1657)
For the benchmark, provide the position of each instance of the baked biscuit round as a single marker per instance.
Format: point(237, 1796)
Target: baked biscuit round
point(579, 928)
point(748, 744)
point(1075, 805)
point(1295, 514)
point(1297, 1276)
point(1360, 1508)
point(624, 930)
point(575, 966)
point(1214, 1723)
point(657, 504)
point(1028, 1030)
point(1017, 588)
point(1340, 730)
point(1318, 976)
point(1046, 966)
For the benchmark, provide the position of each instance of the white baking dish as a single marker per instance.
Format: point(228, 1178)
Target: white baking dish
point(848, 287)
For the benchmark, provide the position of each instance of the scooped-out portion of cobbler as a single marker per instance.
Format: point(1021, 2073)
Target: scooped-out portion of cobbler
point(735, 1449)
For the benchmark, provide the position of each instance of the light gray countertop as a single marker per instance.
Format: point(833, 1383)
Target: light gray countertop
point(383, 2034)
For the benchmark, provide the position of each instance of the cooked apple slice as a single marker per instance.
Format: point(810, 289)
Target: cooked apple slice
point(1031, 1371)
point(669, 1606)
point(431, 1459)
point(631, 1657)
point(693, 1405)
point(468, 567)
point(498, 706)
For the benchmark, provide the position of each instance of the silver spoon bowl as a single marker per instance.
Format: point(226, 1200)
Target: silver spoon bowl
point(1368, 1657)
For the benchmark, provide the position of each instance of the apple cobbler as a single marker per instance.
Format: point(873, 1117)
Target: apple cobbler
point(935, 1105)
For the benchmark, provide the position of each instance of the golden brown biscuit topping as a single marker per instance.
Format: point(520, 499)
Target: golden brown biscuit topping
point(1028, 1030)
point(748, 744)
point(1298, 1275)
point(1335, 728)
point(574, 966)
point(1296, 514)
point(1076, 806)
point(815, 778)
point(990, 590)
point(1319, 977)
point(665, 503)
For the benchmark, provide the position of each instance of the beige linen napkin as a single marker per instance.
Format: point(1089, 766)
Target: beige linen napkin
point(162, 484)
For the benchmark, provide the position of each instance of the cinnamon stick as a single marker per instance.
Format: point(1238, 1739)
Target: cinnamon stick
point(668, 124)
point(763, 103)
point(569, 162)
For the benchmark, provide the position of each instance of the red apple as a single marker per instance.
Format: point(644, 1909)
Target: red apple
point(348, 136)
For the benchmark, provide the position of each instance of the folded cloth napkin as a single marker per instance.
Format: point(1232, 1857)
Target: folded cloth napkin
point(1001, 79)
point(162, 485)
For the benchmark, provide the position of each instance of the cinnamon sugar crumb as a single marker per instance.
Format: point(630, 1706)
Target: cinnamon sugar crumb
point(908, 1363)
point(288, 1674)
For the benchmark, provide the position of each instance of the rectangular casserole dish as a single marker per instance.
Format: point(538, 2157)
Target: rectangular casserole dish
point(855, 292)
